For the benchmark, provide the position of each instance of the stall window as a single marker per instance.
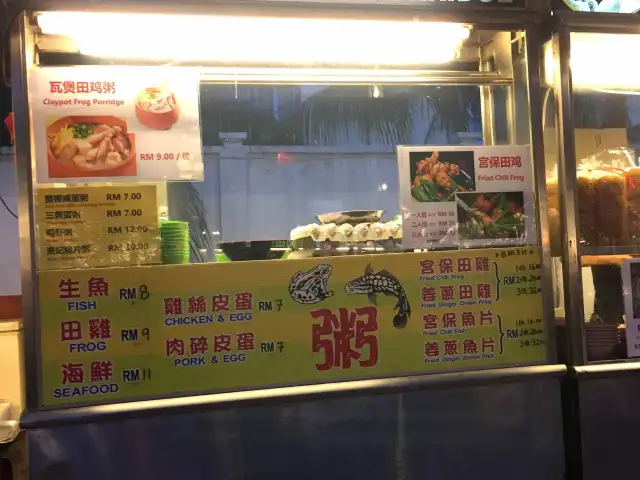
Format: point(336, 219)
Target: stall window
point(606, 124)
point(277, 157)
point(251, 183)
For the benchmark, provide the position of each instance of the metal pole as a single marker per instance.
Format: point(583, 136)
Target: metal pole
point(567, 180)
point(22, 52)
point(533, 52)
point(486, 108)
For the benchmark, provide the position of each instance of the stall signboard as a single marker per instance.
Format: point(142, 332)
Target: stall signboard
point(95, 227)
point(130, 124)
point(471, 196)
point(631, 290)
point(129, 333)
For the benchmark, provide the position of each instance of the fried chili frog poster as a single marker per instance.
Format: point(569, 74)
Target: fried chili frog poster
point(469, 196)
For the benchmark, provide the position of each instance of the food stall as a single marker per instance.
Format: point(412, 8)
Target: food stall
point(592, 167)
point(250, 247)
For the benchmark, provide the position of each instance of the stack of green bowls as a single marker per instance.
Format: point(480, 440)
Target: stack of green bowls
point(174, 236)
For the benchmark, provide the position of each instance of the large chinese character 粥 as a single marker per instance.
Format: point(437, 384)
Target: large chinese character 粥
point(342, 337)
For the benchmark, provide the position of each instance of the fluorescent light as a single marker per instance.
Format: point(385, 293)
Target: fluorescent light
point(605, 62)
point(263, 40)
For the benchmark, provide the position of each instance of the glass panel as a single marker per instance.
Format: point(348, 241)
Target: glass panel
point(550, 133)
point(605, 115)
point(281, 155)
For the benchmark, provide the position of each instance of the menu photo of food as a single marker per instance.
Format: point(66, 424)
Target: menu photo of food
point(157, 108)
point(90, 146)
point(437, 176)
point(490, 215)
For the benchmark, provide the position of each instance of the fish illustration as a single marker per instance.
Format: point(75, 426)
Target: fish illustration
point(386, 283)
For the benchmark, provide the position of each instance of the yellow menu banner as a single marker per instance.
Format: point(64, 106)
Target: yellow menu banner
point(144, 332)
point(97, 226)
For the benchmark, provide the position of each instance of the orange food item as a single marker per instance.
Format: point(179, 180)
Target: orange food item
point(157, 109)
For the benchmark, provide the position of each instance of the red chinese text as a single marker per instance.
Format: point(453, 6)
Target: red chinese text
point(173, 306)
point(431, 349)
point(449, 320)
point(220, 303)
point(430, 321)
point(197, 304)
point(488, 345)
point(101, 371)
point(69, 86)
point(72, 373)
point(244, 301)
point(482, 264)
point(426, 267)
point(484, 290)
point(245, 341)
point(468, 319)
point(464, 265)
point(222, 343)
point(486, 318)
point(342, 337)
point(465, 291)
point(175, 347)
point(446, 265)
point(99, 328)
point(469, 346)
point(428, 294)
point(98, 287)
point(450, 347)
point(70, 330)
point(198, 345)
point(446, 292)
point(69, 288)
point(499, 162)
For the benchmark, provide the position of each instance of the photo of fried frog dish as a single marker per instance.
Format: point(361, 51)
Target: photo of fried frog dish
point(490, 215)
point(437, 181)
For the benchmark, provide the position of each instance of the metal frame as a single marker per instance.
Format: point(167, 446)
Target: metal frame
point(22, 54)
point(566, 23)
point(147, 408)
point(534, 53)
point(22, 59)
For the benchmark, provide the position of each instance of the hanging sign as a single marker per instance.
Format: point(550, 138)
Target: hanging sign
point(125, 333)
point(128, 124)
point(471, 196)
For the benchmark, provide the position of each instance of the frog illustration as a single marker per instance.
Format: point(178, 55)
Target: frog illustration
point(311, 286)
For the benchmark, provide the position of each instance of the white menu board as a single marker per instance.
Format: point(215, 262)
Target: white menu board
point(470, 196)
point(116, 123)
point(631, 293)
